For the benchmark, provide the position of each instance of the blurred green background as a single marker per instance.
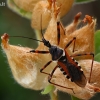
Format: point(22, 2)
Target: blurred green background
point(14, 24)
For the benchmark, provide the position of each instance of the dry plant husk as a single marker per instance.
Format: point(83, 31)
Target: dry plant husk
point(26, 66)
point(84, 37)
point(44, 7)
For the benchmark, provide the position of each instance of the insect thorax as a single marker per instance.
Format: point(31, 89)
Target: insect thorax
point(55, 52)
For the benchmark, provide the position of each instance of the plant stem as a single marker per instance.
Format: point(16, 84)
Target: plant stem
point(74, 98)
point(53, 96)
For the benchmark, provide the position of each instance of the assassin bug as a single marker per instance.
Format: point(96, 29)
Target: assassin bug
point(65, 62)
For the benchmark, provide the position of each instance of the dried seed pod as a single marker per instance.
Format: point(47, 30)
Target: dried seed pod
point(84, 37)
point(83, 93)
point(30, 4)
point(38, 7)
point(44, 8)
point(25, 66)
point(65, 6)
point(73, 26)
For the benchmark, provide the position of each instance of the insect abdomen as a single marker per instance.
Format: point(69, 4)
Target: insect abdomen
point(72, 71)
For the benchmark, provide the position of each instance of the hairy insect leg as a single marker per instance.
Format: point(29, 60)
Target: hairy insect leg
point(37, 51)
point(41, 70)
point(68, 44)
point(50, 77)
point(91, 54)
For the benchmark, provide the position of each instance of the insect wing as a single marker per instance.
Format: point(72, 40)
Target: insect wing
point(82, 82)
point(75, 71)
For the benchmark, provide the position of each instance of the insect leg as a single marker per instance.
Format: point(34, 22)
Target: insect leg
point(37, 51)
point(74, 39)
point(41, 70)
point(58, 31)
point(92, 54)
point(50, 77)
point(62, 28)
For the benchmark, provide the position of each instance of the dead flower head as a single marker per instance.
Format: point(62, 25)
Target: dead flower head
point(26, 66)
point(45, 8)
point(37, 7)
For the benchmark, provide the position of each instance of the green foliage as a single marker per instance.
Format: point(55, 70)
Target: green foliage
point(97, 57)
point(97, 42)
point(74, 98)
point(97, 45)
point(47, 89)
point(17, 10)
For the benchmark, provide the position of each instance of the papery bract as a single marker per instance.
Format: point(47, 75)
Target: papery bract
point(26, 66)
point(44, 8)
point(38, 7)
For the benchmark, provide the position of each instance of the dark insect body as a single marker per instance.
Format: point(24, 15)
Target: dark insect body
point(65, 62)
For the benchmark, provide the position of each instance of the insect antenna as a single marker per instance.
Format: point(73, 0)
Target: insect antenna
point(27, 38)
point(46, 43)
